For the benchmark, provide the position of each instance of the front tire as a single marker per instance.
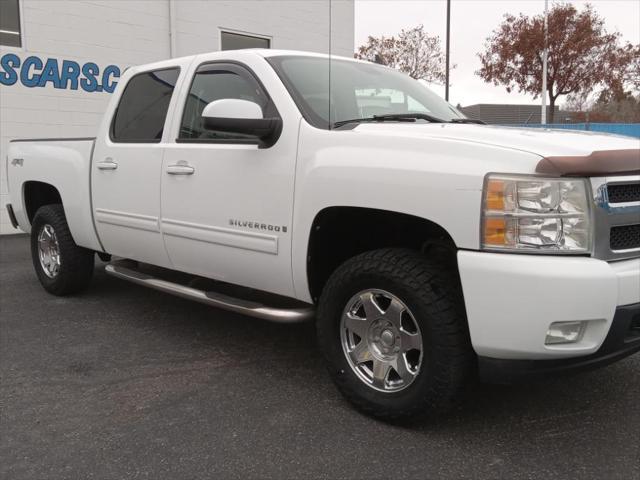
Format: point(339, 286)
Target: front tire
point(62, 266)
point(392, 326)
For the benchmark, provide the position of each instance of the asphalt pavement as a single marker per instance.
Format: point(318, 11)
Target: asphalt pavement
point(123, 382)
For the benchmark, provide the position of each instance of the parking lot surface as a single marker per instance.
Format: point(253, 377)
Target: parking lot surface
point(125, 382)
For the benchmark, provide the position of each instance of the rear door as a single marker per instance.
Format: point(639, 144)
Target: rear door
point(228, 215)
point(127, 165)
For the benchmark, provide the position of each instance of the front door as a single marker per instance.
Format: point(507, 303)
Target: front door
point(226, 203)
point(126, 169)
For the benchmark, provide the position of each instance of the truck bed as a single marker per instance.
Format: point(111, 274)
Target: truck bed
point(64, 163)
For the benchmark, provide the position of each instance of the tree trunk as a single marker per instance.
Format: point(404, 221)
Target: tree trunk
point(552, 108)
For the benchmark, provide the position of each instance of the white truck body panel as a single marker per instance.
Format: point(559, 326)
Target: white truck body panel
point(129, 222)
point(540, 142)
point(512, 300)
point(64, 163)
point(364, 167)
point(198, 210)
point(245, 214)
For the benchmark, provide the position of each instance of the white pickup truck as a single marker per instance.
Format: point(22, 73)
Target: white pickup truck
point(430, 250)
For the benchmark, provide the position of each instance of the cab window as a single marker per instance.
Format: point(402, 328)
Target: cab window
point(142, 111)
point(215, 82)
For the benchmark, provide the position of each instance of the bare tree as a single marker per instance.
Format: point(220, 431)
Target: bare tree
point(579, 102)
point(413, 52)
point(624, 110)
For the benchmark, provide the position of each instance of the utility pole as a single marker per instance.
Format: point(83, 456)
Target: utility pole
point(446, 81)
point(173, 34)
point(544, 63)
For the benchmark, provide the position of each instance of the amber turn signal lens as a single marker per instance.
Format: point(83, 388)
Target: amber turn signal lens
point(495, 195)
point(495, 231)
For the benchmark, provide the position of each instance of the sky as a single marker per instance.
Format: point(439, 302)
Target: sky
point(472, 21)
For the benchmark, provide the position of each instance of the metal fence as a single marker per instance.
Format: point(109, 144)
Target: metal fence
point(628, 129)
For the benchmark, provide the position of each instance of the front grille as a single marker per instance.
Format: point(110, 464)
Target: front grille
point(625, 192)
point(625, 237)
point(616, 217)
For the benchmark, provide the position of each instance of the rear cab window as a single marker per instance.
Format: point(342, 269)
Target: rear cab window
point(142, 111)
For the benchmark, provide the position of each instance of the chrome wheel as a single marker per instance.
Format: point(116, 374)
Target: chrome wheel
point(49, 251)
point(381, 340)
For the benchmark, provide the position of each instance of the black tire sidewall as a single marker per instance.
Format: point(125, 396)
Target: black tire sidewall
point(423, 391)
point(39, 221)
point(76, 266)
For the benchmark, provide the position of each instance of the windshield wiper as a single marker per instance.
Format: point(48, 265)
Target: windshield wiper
point(466, 120)
point(409, 116)
point(397, 117)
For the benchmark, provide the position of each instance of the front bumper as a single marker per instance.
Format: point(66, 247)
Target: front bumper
point(511, 300)
point(622, 340)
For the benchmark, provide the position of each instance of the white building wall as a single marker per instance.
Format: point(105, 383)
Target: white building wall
point(291, 24)
point(132, 32)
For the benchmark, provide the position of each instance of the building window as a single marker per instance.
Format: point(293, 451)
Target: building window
point(237, 41)
point(10, 23)
point(142, 111)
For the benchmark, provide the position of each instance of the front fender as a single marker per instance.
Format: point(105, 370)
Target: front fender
point(436, 179)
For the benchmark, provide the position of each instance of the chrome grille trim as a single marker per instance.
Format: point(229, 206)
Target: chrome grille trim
point(607, 215)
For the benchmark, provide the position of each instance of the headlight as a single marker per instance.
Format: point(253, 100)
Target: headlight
point(533, 214)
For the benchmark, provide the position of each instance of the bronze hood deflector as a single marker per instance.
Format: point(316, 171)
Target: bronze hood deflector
point(598, 164)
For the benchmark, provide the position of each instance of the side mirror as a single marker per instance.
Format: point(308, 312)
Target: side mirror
point(241, 116)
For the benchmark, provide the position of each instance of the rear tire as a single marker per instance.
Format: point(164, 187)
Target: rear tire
point(62, 266)
point(429, 297)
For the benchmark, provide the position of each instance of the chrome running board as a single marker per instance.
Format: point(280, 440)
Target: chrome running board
point(214, 299)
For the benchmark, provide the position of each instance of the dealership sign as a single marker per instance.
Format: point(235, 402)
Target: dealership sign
point(34, 72)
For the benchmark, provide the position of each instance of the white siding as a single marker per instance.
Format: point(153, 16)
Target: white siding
point(132, 32)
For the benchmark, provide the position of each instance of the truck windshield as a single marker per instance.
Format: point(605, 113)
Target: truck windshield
point(358, 90)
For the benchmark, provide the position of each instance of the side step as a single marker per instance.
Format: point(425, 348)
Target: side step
point(121, 269)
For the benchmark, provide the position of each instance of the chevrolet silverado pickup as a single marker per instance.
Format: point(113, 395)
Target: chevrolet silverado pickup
point(431, 250)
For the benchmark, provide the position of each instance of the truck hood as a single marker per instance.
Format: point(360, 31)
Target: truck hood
point(542, 142)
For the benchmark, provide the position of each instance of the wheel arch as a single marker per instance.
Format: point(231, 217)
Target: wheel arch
point(36, 194)
point(341, 232)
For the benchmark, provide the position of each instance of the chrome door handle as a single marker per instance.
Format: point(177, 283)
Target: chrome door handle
point(180, 169)
point(107, 165)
